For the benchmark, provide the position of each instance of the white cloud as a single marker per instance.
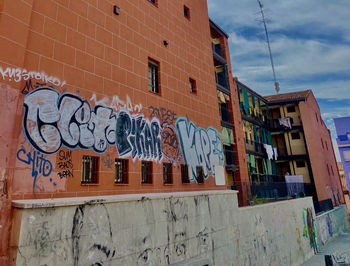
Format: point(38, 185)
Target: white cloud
point(309, 39)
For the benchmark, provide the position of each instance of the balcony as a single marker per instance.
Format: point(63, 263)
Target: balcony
point(253, 146)
point(221, 80)
point(231, 160)
point(218, 54)
point(226, 114)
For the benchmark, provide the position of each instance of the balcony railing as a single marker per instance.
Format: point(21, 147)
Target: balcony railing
point(254, 146)
point(277, 190)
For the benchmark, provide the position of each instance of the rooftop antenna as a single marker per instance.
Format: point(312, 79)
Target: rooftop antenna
point(277, 87)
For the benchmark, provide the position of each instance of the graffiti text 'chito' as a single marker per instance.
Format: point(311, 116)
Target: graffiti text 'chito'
point(52, 120)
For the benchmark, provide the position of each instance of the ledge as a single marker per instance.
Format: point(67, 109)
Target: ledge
point(64, 202)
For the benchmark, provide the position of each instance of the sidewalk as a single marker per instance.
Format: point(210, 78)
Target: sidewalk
point(341, 245)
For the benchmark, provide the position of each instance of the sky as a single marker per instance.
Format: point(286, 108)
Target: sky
point(310, 43)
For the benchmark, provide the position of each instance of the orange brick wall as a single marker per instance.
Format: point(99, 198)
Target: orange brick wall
point(103, 58)
point(320, 156)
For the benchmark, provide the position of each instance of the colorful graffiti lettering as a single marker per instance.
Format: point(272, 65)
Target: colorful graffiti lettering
point(170, 143)
point(18, 74)
point(52, 120)
point(199, 147)
point(117, 104)
point(37, 160)
point(65, 164)
point(310, 231)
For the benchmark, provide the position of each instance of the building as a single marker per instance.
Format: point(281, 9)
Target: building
point(342, 126)
point(231, 122)
point(105, 99)
point(285, 157)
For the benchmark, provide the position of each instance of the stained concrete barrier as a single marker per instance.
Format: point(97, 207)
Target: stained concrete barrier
point(330, 224)
point(159, 229)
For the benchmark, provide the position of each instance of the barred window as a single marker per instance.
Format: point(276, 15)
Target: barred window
point(184, 174)
point(167, 173)
point(121, 171)
point(89, 172)
point(146, 172)
point(200, 174)
point(153, 76)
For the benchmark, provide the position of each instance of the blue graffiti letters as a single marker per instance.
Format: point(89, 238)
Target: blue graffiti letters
point(199, 147)
point(39, 164)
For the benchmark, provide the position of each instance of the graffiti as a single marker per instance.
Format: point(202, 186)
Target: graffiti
point(38, 162)
point(107, 161)
point(18, 74)
point(325, 229)
point(310, 231)
point(65, 164)
point(92, 235)
point(28, 87)
point(199, 147)
point(165, 116)
point(3, 183)
point(51, 120)
point(117, 104)
point(170, 143)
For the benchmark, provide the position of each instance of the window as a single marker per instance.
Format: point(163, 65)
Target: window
point(346, 155)
point(153, 76)
point(322, 143)
point(328, 170)
point(200, 174)
point(121, 171)
point(167, 173)
point(326, 145)
point(193, 86)
point(153, 2)
point(316, 117)
point(187, 12)
point(89, 172)
point(300, 164)
point(184, 174)
point(295, 135)
point(146, 172)
point(332, 170)
point(291, 109)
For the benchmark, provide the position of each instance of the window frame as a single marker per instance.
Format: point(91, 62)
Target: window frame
point(92, 162)
point(125, 174)
point(167, 174)
point(200, 174)
point(153, 82)
point(291, 107)
point(292, 133)
point(153, 2)
point(299, 166)
point(187, 12)
point(149, 175)
point(185, 178)
point(193, 85)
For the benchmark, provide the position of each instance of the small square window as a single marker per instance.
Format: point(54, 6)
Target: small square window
point(187, 13)
point(146, 172)
point(193, 86)
point(184, 174)
point(300, 164)
point(167, 173)
point(291, 109)
point(295, 135)
point(153, 1)
point(89, 172)
point(200, 174)
point(121, 171)
point(153, 76)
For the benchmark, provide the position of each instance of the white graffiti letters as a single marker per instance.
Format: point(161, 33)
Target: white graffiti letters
point(18, 74)
point(199, 147)
point(51, 120)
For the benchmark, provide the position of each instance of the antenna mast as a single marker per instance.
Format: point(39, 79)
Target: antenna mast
point(277, 88)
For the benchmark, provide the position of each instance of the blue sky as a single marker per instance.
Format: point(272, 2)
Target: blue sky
point(310, 42)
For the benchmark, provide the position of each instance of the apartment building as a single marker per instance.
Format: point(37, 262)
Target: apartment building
point(289, 149)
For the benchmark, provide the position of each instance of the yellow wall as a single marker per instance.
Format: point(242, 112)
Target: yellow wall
point(295, 115)
point(297, 146)
point(300, 171)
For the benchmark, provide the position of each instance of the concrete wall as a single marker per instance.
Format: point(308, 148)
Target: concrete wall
point(159, 229)
point(330, 224)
